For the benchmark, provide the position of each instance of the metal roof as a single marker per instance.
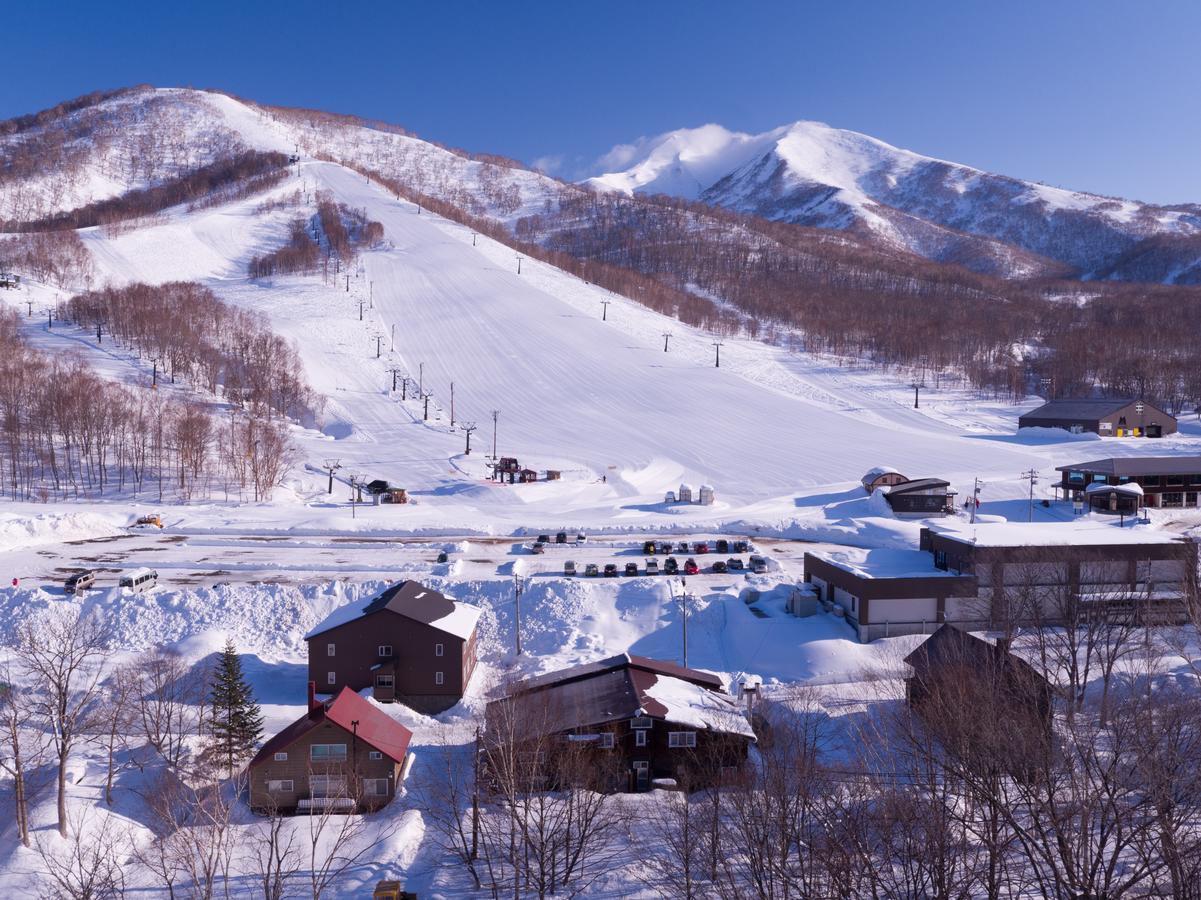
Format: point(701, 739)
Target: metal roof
point(1138, 465)
point(1084, 409)
point(353, 714)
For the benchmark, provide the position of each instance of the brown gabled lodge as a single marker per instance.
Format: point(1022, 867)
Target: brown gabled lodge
point(1106, 417)
point(626, 721)
point(345, 755)
point(1169, 482)
point(410, 644)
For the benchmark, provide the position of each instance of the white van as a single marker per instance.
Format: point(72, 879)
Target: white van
point(139, 580)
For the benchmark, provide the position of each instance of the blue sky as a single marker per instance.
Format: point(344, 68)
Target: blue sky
point(1097, 95)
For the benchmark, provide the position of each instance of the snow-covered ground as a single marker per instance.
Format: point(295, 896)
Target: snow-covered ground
point(783, 437)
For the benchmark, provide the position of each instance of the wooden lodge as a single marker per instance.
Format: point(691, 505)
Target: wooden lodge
point(626, 721)
point(921, 497)
point(881, 476)
point(1108, 418)
point(344, 755)
point(409, 644)
point(1168, 482)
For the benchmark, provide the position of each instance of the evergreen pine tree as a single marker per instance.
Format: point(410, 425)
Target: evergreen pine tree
point(237, 722)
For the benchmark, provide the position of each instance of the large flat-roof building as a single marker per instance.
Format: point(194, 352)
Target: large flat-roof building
point(992, 573)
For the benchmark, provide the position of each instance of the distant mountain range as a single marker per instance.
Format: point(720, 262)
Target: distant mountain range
point(811, 174)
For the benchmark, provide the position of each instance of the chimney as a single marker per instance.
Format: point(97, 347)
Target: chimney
point(313, 705)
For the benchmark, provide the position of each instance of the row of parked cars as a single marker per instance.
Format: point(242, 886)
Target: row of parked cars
point(138, 580)
point(671, 566)
point(544, 540)
point(700, 548)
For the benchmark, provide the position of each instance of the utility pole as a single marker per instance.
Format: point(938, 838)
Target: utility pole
point(395, 371)
point(1031, 475)
point(49, 317)
point(468, 428)
point(717, 345)
point(666, 338)
point(29, 303)
point(99, 338)
point(917, 386)
point(495, 416)
point(518, 590)
point(605, 310)
point(361, 302)
point(976, 498)
point(684, 611)
point(473, 238)
point(154, 371)
point(352, 506)
point(519, 265)
point(426, 397)
point(452, 404)
point(404, 388)
point(379, 338)
point(348, 282)
point(331, 466)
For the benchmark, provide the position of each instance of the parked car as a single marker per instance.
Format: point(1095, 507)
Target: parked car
point(610, 570)
point(156, 520)
point(690, 566)
point(758, 565)
point(652, 567)
point(734, 563)
point(719, 567)
point(581, 538)
point(632, 568)
point(648, 548)
point(443, 557)
point(538, 547)
point(139, 580)
point(723, 546)
point(569, 568)
point(682, 547)
point(702, 547)
point(591, 570)
point(670, 566)
point(544, 539)
point(561, 537)
point(742, 546)
point(79, 581)
point(665, 548)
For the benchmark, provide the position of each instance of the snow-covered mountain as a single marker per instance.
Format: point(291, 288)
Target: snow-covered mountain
point(809, 173)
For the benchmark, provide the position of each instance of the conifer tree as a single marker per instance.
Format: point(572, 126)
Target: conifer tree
point(237, 722)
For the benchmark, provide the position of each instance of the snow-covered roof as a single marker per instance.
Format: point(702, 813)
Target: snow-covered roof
point(698, 707)
point(1039, 534)
point(412, 600)
point(460, 622)
point(876, 471)
point(686, 487)
point(883, 563)
point(1128, 487)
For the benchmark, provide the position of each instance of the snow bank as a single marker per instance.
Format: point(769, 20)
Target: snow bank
point(19, 532)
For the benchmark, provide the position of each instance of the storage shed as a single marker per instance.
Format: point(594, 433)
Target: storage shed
point(684, 495)
point(1119, 499)
point(706, 495)
point(881, 476)
point(921, 497)
point(553, 475)
point(528, 476)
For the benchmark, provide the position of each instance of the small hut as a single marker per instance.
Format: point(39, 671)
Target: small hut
point(684, 495)
point(882, 476)
point(527, 476)
point(669, 497)
point(553, 474)
point(1119, 499)
point(394, 495)
point(706, 495)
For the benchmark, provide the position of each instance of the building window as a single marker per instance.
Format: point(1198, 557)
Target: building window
point(439, 678)
point(640, 722)
point(1107, 427)
point(940, 559)
point(327, 752)
point(282, 786)
point(329, 649)
point(679, 739)
point(1151, 480)
point(1175, 481)
point(384, 681)
point(375, 754)
point(1194, 479)
point(327, 786)
point(1100, 479)
point(375, 787)
point(331, 677)
point(1173, 498)
point(281, 757)
point(385, 650)
point(605, 740)
point(854, 603)
point(438, 649)
point(640, 738)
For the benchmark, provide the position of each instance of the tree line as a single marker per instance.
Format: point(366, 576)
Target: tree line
point(341, 229)
point(69, 433)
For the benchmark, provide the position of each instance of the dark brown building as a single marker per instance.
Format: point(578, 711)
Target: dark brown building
point(410, 643)
point(1166, 481)
point(921, 497)
point(345, 755)
point(1108, 418)
point(642, 718)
